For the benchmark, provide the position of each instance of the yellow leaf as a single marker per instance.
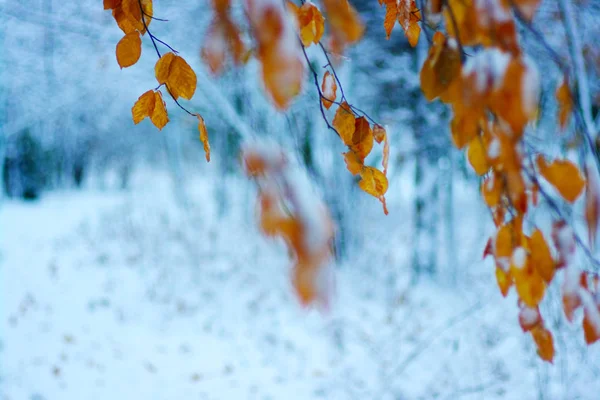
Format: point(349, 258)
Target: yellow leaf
point(504, 280)
point(163, 67)
point(412, 34)
point(182, 79)
point(362, 138)
point(477, 156)
point(564, 176)
point(491, 188)
point(123, 21)
point(344, 123)
point(129, 49)
point(344, 21)
point(203, 136)
point(328, 88)
point(159, 115)
point(131, 9)
point(375, 183)
point(143, 107)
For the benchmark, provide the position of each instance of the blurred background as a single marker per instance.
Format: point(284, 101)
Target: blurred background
point(131, 268)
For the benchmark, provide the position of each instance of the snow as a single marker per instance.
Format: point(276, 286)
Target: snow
point(494, 149)
point(529, 316)
point(488, 65)
point(491, 13)
point(519, 257)
point(530, 86)
point(124, 295)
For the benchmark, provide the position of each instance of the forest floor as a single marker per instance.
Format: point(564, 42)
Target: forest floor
point(125, 295)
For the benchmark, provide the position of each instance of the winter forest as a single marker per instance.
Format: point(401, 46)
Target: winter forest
point(286, 199)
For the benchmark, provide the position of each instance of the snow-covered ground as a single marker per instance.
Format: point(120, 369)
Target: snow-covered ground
point(126, 295)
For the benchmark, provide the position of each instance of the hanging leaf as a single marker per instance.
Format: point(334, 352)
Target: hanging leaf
point(565, 103)
point(129, 49)
point(544, 342)
point(159, 115)
point(163, 67)
point(353, 162)
point(541, 258)
point(564, 176)
point(110, 4)
point(344, 122)
point(203, 136)
point(477, 156)
point(504, 281)
point(491, 189)
point(362, 138)
point(328, 88)
point(311, 23)
point(529, 318)
point(182, 79)
point(592, 201)
point(375, 183)
point(143, 107)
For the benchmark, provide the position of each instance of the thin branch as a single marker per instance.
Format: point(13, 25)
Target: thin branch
point(321, 96)
point(154, 18)
point(146, 28)
point(163, 43)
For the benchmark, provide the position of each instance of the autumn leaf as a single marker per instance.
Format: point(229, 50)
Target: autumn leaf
point(311, 23)
point(159, 115)
point(362, 138)
point(504, 280)
point(344, 123)
point(491, 189)
point(182, 79)
point(344, 22)
point(353, 162)
point(129, 49)
point(203, 136)
point(477, 156)
point(110, 4)
point(375, 183)
point(123, 21)
point(163, 67)
point(143, 107)
point(328, 88)
point(544, 342)
point(564, 176)
point(529, 318)
point(541, 258)
point(565, 103)
point(592, 201)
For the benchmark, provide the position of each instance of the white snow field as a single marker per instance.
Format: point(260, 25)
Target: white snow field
point(128, 295)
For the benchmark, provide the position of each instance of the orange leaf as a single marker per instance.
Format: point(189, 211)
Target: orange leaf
point(477, 156)
point(379, 133)
point(353, 163)
point(391, 14)
point(162, 67)
point(312, 24)
point(159, 115)
point(124, 22)
point(328, 88)
point(182, 79)
point(589, 331)
point(565, 103)
point(131, 9)
point(412, 34)
point(344, 123)
point(564, 176)
point(362, 138)
point(544, 342)
point(541, 258)
point(129, 49)
point(203, 136)
point(345, 24)
point(143, 107)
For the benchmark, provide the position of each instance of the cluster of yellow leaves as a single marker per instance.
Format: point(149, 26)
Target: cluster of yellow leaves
point(223, 37)
point(407, 14)
point(494, 96)
point(134, 17)
point(356, 133)
point(283, 213)
point(133, 22)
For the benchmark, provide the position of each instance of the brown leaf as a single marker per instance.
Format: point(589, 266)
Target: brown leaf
point(162, 67)
point(110, 4)
point(353, 163)
point(362, 138)
point(375, 183)
point(129, 49)
point(564, 176)
point(541, 258)
point(182, 79)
